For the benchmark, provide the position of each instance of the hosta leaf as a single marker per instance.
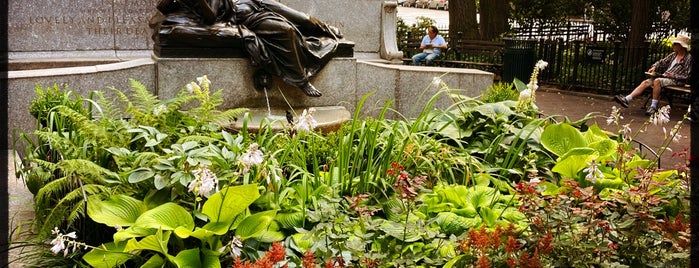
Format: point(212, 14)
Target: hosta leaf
point(289, 220)
point(118, 210)
point(254, 224)
point(192, 258)
point(156, 261)
point(226, 204)
point(398, 231)
point(140, 174)
point(451, 223)
point(482, 196)
point(167, 216)
point(302, 241)
point(489, 216)
point(107, 255)
point(513, 215)
point(393, 209)
point(604, 148)
point(561, 138)
point(156, 242)
point(574, 161)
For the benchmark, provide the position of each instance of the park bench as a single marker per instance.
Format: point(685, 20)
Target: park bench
point(673, 92)
point(476, 54)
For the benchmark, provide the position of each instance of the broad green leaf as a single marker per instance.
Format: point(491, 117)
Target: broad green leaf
point(289, 220)
point(513, 215)
point(192, 258)
point(118, 210)
point(451, 223)
point(226, 204)
point(482, 196)
point(107, 255)
point(167, 216)
point(561, 138)
point(398, 231)
point(160, 181)
point(132, 232)
point(604, 148)
point(140, 174)
point(494, 110)
point(254, 224)
point(157, 242)
point(303, 241)
point(188, 259)
point(574, 161)
point(156, 261)
point(489, 216)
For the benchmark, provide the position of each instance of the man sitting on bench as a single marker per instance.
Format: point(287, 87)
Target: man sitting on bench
point(432, 44)
point(672, 70)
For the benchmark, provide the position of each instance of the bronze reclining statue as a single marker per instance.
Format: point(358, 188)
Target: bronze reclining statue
point(277, 39)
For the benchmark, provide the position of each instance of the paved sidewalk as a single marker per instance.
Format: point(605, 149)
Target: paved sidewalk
point(574, 105)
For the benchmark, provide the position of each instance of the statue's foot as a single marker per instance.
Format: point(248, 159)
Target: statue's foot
point(310, 90)
point(335, 31)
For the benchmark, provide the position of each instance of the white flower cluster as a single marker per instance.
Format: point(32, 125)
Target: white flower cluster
point(306, 121)
point(592, 171)
point(63, 242)
point(195, 88)
point(205, 181)
point(526, 96)
point(252, 157)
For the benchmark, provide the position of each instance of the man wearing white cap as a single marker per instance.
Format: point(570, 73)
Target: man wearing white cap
point(672, 70)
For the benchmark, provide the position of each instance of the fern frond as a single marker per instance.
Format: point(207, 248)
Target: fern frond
point(227, 117)
point(51, 190)
point(59, 143)
point(85, 127)
point(145, 101)
point(89, 171)
point(198, 139)
point(109, 110)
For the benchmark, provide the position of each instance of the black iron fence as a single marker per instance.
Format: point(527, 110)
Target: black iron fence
point(599, 66)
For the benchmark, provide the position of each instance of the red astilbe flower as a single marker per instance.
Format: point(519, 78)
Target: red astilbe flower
point(274, 255)
point(335, 262)
point(309, 259)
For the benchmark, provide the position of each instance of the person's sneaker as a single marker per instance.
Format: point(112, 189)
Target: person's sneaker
point(622, 100)
point(651, 111)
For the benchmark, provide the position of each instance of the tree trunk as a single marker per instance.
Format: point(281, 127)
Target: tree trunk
point(493, 22)
point(640, 23)
point(462, 19)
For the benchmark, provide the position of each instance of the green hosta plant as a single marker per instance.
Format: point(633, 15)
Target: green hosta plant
point(148, 232)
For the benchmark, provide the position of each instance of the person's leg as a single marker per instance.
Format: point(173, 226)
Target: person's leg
point(429, 58)
point(624, 100)
point(417, 58)
point(640, 88)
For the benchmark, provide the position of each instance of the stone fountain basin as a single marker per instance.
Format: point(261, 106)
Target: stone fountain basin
point(329, 119)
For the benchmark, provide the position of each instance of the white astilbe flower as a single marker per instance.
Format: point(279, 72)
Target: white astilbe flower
point(193, 88)
point(541, 64)
point(158, 110)
point(252, 157)
point(205, 181)
point(592, 171)
point(306, 121)
point(63, 242)
point(203, 81)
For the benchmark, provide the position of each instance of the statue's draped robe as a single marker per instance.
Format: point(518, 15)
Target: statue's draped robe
point(292, 44)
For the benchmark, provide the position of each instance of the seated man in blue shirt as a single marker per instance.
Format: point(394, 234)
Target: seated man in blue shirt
point(432, 44)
